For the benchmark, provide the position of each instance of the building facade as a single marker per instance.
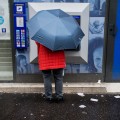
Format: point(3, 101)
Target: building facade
point(103, 57)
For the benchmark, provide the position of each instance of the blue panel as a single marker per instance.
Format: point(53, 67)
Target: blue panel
point(20, 25)
point(116, 62)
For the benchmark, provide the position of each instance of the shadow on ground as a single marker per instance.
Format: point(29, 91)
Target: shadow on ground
point(33, 107)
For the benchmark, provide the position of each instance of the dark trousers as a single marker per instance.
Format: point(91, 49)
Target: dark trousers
point(58, 77)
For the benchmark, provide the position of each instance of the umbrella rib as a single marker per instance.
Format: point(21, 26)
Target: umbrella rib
point(65, 27)
point(55, 37)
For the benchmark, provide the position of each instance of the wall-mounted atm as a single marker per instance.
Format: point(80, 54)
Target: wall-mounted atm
point(80, 11)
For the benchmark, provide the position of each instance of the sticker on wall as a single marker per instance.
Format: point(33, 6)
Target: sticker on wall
point(19, 8)
point(3, 30)
point(1, 20)
point(19, 22)
point(1, 11)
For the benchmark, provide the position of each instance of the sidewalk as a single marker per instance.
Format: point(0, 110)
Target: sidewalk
point(31, 106)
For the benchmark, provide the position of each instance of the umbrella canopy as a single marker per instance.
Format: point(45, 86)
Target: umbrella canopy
point(55, 29)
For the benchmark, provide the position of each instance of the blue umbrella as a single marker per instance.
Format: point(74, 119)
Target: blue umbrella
point(55, 29)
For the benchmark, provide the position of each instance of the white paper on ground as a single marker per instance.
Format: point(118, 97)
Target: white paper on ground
point(95, 100)
point(82, 106)
point(102, 95)
point(81, 94)
point(83, 112)
point(72, 104)
point(117, 96)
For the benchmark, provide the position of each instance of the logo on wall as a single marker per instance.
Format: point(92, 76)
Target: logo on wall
point(3, 30)
point(1, 20)
point(19, 8)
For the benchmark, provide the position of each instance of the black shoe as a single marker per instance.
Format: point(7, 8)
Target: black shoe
point(43, 95)
point(59, 99)
point(48, 99)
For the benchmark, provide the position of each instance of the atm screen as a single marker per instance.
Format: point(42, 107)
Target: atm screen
point(77, 18)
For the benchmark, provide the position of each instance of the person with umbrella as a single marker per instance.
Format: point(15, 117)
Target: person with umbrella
point(54, 31)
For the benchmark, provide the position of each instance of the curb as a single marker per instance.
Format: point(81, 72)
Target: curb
point(88, 88)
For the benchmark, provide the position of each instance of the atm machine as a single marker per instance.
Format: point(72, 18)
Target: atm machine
point(80, 11)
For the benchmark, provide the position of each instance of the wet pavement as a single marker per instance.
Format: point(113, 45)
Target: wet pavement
point(75, 107)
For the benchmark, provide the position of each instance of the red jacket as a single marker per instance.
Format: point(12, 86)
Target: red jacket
point(48, 59)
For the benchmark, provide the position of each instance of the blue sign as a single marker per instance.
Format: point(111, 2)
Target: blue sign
point(1, 20)
point(20, 25)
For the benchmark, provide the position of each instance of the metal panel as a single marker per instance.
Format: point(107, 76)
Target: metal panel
point(111, 19)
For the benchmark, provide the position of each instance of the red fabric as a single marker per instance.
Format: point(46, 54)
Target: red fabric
point(48, 59)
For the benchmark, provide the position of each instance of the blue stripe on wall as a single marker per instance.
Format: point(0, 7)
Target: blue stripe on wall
point(116, 62)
